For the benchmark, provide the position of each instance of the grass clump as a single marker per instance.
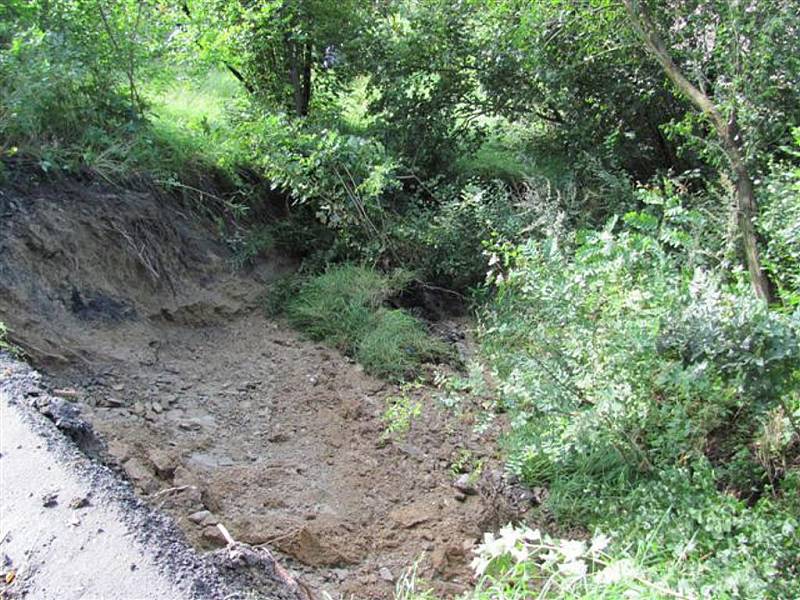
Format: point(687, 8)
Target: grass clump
point(396, 345)
point(337, 306)
point(344, 307)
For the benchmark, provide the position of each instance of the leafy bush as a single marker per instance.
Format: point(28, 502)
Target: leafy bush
point(638, 394)
point(780, 225)
point(445, 242)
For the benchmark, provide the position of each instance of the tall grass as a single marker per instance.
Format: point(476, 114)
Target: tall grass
point(344, 307)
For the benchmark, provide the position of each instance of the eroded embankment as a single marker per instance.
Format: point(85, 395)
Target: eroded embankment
point(218, 414)
point(72, 528)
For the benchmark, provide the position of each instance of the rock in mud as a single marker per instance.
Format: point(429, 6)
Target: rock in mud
point(164, 462)
point(386, 574)
point(111, 402)
point(203, 517)
point(213, 535)
point(415, 514)
point(465, 485)
point(140, 474)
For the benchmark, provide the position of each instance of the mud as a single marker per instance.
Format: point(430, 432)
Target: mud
point(220, 415)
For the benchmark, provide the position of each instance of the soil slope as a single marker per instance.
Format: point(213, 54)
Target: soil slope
point(218, 414)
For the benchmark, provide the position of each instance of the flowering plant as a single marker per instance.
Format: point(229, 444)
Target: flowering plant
point(525, 560)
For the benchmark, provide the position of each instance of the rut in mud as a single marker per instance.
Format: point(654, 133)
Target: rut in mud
point(219, 414)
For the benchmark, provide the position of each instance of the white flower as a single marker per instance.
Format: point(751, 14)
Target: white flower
point(479, 565)
point(520, 553)
point(509, 536)
point(599, 543)
point(574, 568)
point(615, 572)
point(572, 549)
point(532, 535)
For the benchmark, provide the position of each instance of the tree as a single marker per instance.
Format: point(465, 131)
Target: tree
point(280, 48)
point(728, 132)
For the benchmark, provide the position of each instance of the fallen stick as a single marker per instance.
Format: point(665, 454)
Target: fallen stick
point(228, 538)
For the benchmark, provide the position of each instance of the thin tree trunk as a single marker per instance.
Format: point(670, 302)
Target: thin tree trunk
point(293, 53)
point(307, 59)
point(746, 207)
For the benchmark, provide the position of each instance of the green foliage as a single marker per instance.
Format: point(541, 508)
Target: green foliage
point(5, 344)
point(280, 292)
point(400, 411)
point(428, 100)
point(287, 52)
point(338, 305)
point(637, 391)
point(445, 242)
point(780, 225)
point(396, 344)
point(247, 246)
point(344, 179)
point(344, 307)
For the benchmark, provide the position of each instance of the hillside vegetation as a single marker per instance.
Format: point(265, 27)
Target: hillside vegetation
point(610, 187)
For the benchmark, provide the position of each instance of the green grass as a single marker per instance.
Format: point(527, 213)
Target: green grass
point(199, 105)
point(396, 344)
point(344, 307)
point(337, 307)
point(194, 117)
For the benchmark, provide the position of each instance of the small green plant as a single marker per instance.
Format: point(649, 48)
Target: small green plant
point(410, 586)
point(5, 344)
point(463, 463)
point(400, 411)
point(247, 246)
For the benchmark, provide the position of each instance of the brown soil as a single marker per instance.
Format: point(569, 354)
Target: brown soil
point(131, 308)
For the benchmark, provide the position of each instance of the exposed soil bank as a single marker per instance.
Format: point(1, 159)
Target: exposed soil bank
point(73, 529)
point(218, 414)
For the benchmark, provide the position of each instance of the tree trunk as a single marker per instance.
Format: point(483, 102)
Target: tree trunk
point(306, 100)
point(745, 206)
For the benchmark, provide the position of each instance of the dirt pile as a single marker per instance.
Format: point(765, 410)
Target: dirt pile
point(220, 415)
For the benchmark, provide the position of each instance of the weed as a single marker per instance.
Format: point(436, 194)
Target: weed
point(6, 345)
point(280, 292)
point(248, 246)
point(463, 463)
point(338, 306)
point(400, 411)
point(343, 307)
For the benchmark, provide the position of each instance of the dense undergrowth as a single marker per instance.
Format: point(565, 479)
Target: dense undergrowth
point(655, 405)
point(531, 160)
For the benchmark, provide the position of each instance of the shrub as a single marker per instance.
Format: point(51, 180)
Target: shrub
point(780, 226)
point(647, 399)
